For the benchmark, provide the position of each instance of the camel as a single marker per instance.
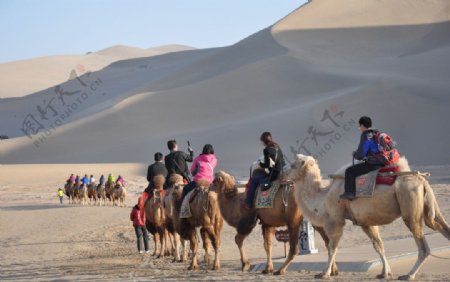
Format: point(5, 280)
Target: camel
point(234, 213)
point(83, 194)
point(68, 190)
point(410, 197)
point(76, 193)
point(119, 195)
point(205, 214)
point(155, 215)
point(109, 191)
point(173, 195)
point(101, 194)
point(92, 193)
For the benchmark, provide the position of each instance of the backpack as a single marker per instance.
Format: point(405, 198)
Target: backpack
point(388, 153)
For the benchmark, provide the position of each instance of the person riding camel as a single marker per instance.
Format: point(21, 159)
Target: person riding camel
point(202, 168)
point(120, 181)
point(71, 179)
point(176, 160)
point(157, 168)
point(111, 179)
point(102, 180)
point(273, 162)
point(85, 181)
point(91, 179)
point(367, 151)
point(77, 179)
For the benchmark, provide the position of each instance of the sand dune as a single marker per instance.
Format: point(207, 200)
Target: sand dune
point(25, 77)
point(307, 79)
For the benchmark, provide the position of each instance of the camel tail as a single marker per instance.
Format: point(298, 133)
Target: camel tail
point(432, 213)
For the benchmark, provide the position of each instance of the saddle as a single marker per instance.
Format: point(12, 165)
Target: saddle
point(196, 191)
point(365, 184)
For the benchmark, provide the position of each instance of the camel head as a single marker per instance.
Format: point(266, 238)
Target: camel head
point(302, 165)
point(223, 182)
point(158, 181)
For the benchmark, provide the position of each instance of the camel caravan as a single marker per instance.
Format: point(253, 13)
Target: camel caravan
point(376, 191)
point(86, 191)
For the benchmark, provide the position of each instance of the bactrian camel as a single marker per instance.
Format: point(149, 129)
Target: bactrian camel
point(410, 197)
point(234, 213)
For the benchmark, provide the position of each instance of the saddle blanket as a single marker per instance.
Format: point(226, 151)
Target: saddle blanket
point(185, 211)
point(264, 199)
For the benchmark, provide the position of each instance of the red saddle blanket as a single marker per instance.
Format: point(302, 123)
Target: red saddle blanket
point(387, 179)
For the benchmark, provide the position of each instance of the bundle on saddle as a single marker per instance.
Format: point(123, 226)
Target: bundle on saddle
point(201, 190)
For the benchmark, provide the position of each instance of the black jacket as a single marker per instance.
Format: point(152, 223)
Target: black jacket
point(176, 163)
point(158, 168)
point(277, 156)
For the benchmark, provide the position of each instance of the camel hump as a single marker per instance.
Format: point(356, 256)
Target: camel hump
point(203, 183)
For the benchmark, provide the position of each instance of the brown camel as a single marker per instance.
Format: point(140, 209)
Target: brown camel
point(109, 191)
point(410, 197)
point(68, 190)
point(173, 195)
point(101, 194)
point(76, 193)
point(82, 194)
point(154, 213)
point(92, 193)
point(232, 209)
point(205, 214)
point(119, 195)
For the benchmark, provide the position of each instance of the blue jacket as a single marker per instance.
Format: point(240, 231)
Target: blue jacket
point(368, 148)
point(85, 180)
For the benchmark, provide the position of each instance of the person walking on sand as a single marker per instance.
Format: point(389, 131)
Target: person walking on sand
point(60, 194)
point(138, 217)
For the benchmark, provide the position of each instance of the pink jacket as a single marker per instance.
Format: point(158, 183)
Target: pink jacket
point(138, 217)
point(206, 165)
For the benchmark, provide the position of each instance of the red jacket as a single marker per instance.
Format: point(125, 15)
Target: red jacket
point(138, 217)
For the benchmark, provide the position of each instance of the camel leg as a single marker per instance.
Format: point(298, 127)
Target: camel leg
point(176, 239)
point(215, 239)
point(239, 239)
point(268, 232)
point(424, 250)
point(194, 249)
point(293, 247)
point(334, 232)
point(374, 235)
point(206, 244)
point(334, 268)
point(185, 250)
point(162, 239)
point(156, 240)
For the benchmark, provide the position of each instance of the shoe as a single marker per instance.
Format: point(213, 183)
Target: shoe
point(147, 252)
point(347, 196)
point(141, 252)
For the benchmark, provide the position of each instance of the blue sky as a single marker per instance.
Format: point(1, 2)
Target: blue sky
point(30, 28)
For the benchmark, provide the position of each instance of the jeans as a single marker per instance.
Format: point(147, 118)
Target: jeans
point(141, 232)
point(354, 171)
point(61, 200)
point(252, 189)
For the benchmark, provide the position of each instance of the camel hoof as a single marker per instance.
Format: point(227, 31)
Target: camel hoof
point(384, 276)
point(267, 271)
point(279, 272)
point(406, 277)
point(195, 267)
point(216, 267)
point(322, 276)
point(245, 266)
point(334, 273)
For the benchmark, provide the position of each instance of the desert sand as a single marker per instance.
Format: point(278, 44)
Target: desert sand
point(43, 240)
point(307, 78)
